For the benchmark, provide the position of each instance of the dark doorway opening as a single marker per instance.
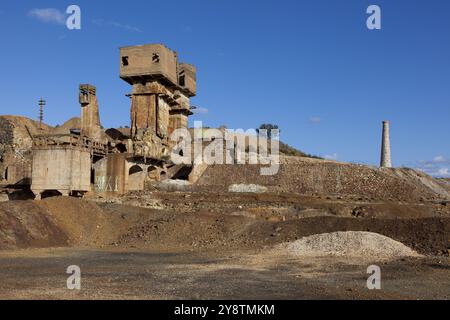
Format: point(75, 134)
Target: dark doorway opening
point(135, 169)
point(50, 193)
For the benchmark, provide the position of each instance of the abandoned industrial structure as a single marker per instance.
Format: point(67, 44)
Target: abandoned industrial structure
point(80, 156)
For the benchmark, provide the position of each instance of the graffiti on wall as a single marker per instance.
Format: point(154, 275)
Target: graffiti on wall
point(107, 184)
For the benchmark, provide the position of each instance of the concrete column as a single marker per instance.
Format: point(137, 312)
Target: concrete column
point(37, 194)
point(386, 147)
point(64, 193)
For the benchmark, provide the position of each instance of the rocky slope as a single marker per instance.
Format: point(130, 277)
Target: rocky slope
point(323, 177)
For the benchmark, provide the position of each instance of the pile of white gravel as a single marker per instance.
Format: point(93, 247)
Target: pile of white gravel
point(349, 244)
point(173, 185)
point(247, 188)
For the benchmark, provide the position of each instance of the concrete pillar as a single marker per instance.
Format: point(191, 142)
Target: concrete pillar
point(37, 194)
point(386, 147)
point(90, 116)
point(64, 193)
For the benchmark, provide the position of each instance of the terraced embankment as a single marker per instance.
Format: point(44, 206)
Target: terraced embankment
point(188, 221)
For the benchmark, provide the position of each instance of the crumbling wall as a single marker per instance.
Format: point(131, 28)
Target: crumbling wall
point(6, 142)
point(111, 173)
point(118, 174)
point(15, 149)
point(6, 132)
point(148, 60)
point(136, 177)
point(64, 169)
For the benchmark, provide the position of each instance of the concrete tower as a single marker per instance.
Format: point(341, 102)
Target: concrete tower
point(160, 98)
point(386, 147)
point(90, 117)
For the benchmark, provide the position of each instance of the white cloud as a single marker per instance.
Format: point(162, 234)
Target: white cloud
point(315, 120)
point(48, 15)
point(104, 23)
point(200, 111)
point(439, 167)
point(333, 156)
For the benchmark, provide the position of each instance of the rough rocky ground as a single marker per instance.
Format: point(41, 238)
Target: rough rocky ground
point(192, 221)
point(162, 245)
point(324, 177)
point(149, 274)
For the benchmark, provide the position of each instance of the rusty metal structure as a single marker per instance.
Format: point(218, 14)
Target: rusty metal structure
point(41, 103)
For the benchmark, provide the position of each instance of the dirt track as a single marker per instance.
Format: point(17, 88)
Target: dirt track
point(142, 274)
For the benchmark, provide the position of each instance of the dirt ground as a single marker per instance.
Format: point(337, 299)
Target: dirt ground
point(187, 245)
point(152, 274)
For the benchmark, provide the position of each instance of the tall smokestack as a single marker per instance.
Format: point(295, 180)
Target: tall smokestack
point(386, 147)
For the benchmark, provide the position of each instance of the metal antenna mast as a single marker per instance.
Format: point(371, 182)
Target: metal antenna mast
point(42, 103)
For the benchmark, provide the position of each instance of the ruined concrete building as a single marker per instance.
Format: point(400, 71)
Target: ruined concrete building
point(160, 96)
point(15, 150)
point(88, 158)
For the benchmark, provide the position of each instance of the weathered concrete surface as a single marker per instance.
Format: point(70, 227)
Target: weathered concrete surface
point(386, 161)
point(177, 120)
point(15, 149)
point(136, 177)
point(160, 96)
point(188, 78)
point(148, 60)
point(118, 173)
point(62, 168)
point(111, 174)
point(90, 116)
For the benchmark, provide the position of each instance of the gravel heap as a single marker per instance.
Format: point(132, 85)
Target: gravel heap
point(247, 188)
point(350, 244)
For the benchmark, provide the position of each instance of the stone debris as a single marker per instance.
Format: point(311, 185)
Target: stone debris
point(173, 185)
point(247, 188)
point(329, 179)
point(349, 244)
point(4, 197)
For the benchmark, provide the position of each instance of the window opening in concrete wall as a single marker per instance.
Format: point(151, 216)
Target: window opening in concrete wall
point(135, 169)
point(182, 79)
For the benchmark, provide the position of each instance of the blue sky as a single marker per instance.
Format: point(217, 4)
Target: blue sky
point(310, 66)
